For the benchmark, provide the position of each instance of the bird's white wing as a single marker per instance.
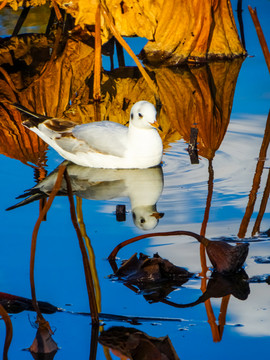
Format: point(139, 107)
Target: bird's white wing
point(105, 137)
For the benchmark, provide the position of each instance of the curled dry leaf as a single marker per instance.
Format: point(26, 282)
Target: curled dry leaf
point(154, 277)
point(224, 257)
point(137, 345)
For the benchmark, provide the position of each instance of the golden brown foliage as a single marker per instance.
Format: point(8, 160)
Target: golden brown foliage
point(191, 97)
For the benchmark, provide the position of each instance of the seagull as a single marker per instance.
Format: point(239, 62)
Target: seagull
point(103, 144)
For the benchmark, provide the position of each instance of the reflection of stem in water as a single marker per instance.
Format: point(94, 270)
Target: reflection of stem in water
point(91, 255)
point(212, 321)
point(49, 64)
point(8, 80)
point(208, 306)
point(39, 175)
point(222, 313)
point(206, 216)
point(107, 353)
point(241, 24)
point(264, 201)
point(55, 190)
point(45, 69)
point(9, 331)
point(88, 274)
point(115, 32)
point(120, 54)
point(261, 37)
point(57, 11)
point(256, 180)
point(97, 66)
point(21, 20)
point(94, 342)
point(51, 22)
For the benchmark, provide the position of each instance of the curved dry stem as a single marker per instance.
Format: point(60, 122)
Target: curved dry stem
point(256, 181)
point(8, 79)
point(90, 250)
point(88, 274)
point(198, 237)
point(9, 331)
point(43, 212)
point(97, 67)
point(119, 38)
point(260, 34)
point(3, 4)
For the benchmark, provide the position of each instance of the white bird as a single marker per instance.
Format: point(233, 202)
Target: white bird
point(103, 144)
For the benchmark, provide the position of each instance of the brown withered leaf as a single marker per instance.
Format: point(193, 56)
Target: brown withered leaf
point(193, 30)
point(16, 141)
point(177, 30)
point(199, 98)
point(155, 277)
point(43, 346)
point(14, 304)
point(218, 286)
point(196, 97)
point(137, 345)
point(227, 258)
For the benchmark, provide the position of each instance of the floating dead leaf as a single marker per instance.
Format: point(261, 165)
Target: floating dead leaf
point(236, 284)
point(43, 346)
point(137, 345)
point(155, 277)
point(219, 286)
point(224, 257)
point(15, 304)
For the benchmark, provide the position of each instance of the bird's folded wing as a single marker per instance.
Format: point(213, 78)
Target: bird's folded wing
point(105, 137)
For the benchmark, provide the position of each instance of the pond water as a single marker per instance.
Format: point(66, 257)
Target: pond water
point(221, 196)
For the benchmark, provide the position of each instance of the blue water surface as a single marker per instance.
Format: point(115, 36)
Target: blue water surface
point(59, 273)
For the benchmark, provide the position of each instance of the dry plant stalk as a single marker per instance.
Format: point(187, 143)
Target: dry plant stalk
point(57, 11)
point(117, 35)
point(208, 306)
point(9, 331)
point(97, 67)
point(224, 257)
point(266, 193)
point(205, 221)
point(260, 34)
point(3, 4)
point(90, 250)
point(256, 181)
point(43, 212)
point(88, 273)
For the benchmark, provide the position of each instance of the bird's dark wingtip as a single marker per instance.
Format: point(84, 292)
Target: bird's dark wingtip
point(33, 118)
point(31, 197)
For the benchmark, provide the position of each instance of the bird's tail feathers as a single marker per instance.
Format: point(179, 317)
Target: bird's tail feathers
point(34, 119)
point(32, 196)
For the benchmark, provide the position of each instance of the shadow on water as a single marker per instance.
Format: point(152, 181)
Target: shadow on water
point(54, 74)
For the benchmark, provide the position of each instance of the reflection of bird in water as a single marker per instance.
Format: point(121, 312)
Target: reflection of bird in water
point(103, 144)
point(142, 186)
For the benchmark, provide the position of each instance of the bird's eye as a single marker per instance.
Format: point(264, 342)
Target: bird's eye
point(131, 115)
point(140, 115)
point(142, 220)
